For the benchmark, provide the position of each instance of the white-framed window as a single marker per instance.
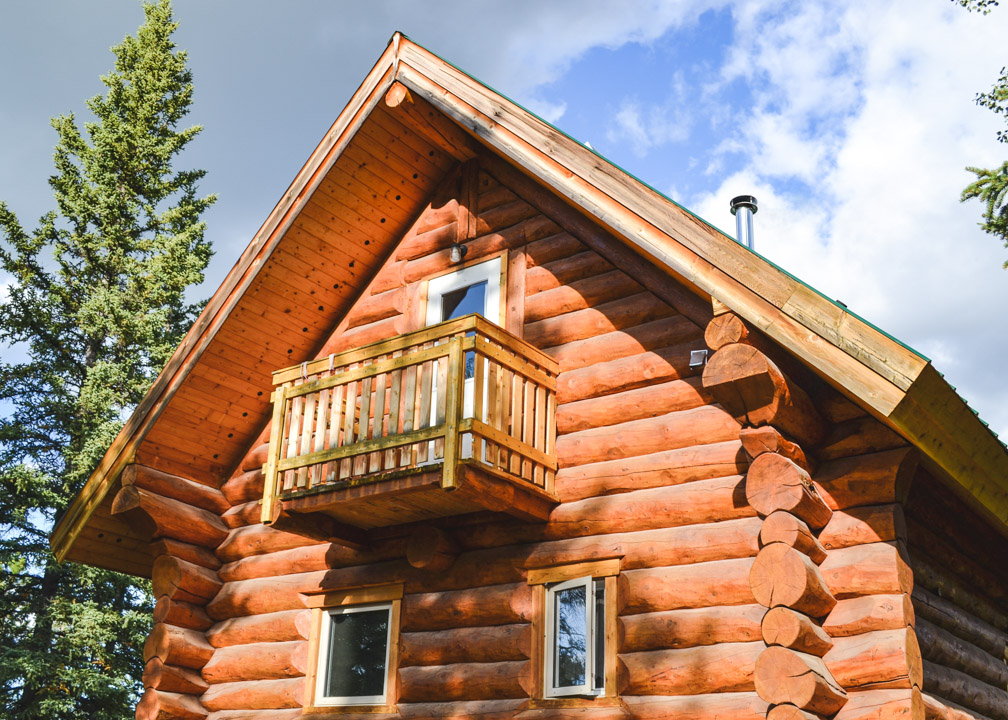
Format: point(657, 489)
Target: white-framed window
point(353, 666)
point(574, 631)
point(575, 637)
point(353, 647)
point(476, 288)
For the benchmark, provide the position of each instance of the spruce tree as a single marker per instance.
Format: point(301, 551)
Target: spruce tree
point(95, 306)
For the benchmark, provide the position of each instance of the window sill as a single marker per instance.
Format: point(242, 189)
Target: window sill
point(575, 702)
point(320, 710)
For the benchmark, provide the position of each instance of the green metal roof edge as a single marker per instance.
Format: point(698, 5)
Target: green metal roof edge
point(662, 195)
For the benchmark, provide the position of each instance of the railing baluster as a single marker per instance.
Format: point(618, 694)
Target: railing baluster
point(407, 452)
point(378, 424)
point(479, 390)
point(424, 406)
point(360, 463)
point(348, 426)
point(395, 401)
point(315, 474)
point(335, 420)
point(493, 409)
point(528, 434)
point(540, 431)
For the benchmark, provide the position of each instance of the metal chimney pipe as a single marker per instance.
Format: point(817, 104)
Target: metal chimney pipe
point(743, 208)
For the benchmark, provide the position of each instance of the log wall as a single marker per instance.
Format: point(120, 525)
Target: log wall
point(960, 597)
point(758, 517)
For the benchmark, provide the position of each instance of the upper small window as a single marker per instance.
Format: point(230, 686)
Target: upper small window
point(472, 289)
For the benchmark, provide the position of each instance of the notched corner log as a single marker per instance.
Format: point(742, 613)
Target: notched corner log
point(429, 548)
point(785, 676)
point(775, 483)
point(748, 384)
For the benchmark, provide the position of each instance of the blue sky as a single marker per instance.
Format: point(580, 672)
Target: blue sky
point(851, 122)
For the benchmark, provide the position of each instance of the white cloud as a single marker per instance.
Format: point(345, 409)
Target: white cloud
point(871, 108)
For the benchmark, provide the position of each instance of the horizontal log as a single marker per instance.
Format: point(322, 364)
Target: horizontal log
point(535, 228)
point(670, 332)
point(348, 339)
point(940, 709)
point(178, 488)
point(186, 551)
point(787, 628)
point(658, 399)
point(317, 556)
point(939, 582)
point(725, 329)
point(858, 436)
point(255, 695)
point(676, 629)
point(465, 681)
point(431, 549)
point(782, 576)
point(938, 541)
point(171, 678)
point(436, 216)
point(725, 667)
point(162, 705)
point(752, 388)
point(776, 483)
point(857, 615)
point(379, 306)
point(571, 711)
point(562, 271)
point(255, 458)
point(783, 527)
point(946, 614)
point(661, 469)
point(491, 605)
point(258, 539)
point(863, 525)
point(766, 439)
point(269, 714)
point(282, 626)
point(900, 704)
point(177, 646)
point(586, 292)
point(642, 437)
point(181, 580)
point(257, 661)
point(724, 706)
point(181, 614)
point(942, 647)
point(480, 709)
point(724, 582)
point(960, 688)
point(876, 479)
point(247, 513)
point(591, 322)
point(159, 516)
point(626, 373)
point(549, 249)
point(431, 239)
point(497, 643)
point(802, 680)
point(880, 659)
point(875, 569)
point(244, 487)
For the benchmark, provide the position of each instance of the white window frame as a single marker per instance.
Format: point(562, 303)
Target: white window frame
point(321, 699)
point(489, 270)
point(592, 587)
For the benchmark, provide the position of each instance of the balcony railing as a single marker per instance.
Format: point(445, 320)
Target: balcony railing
point(464, 393)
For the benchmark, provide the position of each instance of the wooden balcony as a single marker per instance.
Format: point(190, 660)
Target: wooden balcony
point(452, 419)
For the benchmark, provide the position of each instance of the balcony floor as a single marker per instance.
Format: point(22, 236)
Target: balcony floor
point(416, 494)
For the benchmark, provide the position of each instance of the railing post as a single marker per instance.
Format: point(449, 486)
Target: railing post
point(275, 449)
point(453, 412)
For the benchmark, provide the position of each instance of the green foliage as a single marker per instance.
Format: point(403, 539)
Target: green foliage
point(991, 186)
point(96, 305)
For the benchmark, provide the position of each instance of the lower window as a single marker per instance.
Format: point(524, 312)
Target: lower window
point(575, 637)
point(354, 656)
point(353, 650)
point(574, 631)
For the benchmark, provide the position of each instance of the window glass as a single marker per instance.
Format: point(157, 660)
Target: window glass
point(357, 654)
point(571, 628)
point(470, 299)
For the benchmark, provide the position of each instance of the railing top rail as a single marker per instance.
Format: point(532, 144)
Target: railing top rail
point(467, 323)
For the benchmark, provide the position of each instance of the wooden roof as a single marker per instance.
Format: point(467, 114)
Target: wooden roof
point(354, 198)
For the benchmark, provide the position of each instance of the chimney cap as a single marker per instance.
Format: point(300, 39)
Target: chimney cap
point(744, 201)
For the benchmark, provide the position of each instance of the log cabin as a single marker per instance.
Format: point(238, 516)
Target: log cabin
point(480, 426)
